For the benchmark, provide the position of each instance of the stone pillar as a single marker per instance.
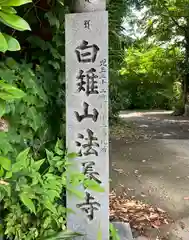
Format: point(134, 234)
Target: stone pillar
point(80, 6)
point(186, 112)
point(87, 116)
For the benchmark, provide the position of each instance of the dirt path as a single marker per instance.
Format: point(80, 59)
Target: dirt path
point(155, 167)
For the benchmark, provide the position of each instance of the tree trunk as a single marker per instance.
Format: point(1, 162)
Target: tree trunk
point(186, 75)
point(186, 95)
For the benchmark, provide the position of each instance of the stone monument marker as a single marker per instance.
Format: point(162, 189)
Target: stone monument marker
point(87, 115)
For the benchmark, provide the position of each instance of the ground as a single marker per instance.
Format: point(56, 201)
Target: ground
point(153, 165)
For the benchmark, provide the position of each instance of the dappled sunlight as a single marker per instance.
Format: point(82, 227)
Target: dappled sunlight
point(158, 124)
point(130, 114)
point(147, 112)
point(176, 120)
point(156, 171)
point(154, 168)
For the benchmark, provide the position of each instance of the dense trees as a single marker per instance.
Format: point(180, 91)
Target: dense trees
point(33, 158)
point(165, 23)
point(150, 77)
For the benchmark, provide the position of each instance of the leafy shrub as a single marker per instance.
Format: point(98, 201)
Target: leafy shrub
point(9, 17)
point(26, 116)
point(32, 204)
point(150, 77)
point(31, 193)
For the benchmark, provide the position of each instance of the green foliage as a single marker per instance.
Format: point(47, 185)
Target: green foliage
point(163, 16)
point(8, 93)
point(32, 203)
point(117, 12)
point(149, 76)
point(113, 233)
point(31, 194)
point(9, 17)
point(25, 116)
point(166, 22)
point(31, 198)
point(64, 235)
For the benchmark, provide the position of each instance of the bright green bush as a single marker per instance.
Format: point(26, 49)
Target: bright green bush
point(150, 78)
point(31, 191)
point(9, 17)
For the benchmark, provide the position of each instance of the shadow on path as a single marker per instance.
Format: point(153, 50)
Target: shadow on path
point(155, 168)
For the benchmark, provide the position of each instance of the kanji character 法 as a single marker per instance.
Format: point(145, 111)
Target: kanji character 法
point(88, 148)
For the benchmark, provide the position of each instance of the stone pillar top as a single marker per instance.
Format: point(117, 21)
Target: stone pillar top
point(80, 6)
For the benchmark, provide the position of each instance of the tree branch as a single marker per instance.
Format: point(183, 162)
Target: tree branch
point(173, 19)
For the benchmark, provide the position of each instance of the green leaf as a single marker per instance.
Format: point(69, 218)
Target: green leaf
point(47, 222)
point(52, 194)
point(48, 204)
point(58, 148)
point(27, 202)
point(2, 172)
point(37, 164)
point(64, 235)
point(16, 167)
point(8, 10)
point(3, 43)
point(50, 155)
point(2, 108)
point(8, 92)
point(35, 117)
point(36, 178)
point(99, 234)
point(93, 185)
point(23, 156)
point(114, 233)
point(1, 230)
point(72, 155)
point(2, 193)
point(13, 44)
point(77, 193)
point(2, 2)
point(5, 163)
point(15, 3)
point(14, 21)
point(5, 146)
point(11, 63)
point(8, 175)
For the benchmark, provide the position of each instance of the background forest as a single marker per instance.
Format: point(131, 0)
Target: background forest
point(148, 70)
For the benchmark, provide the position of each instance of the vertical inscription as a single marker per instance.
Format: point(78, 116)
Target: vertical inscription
point(86, 76)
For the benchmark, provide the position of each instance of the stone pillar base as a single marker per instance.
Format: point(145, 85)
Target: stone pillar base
point(124, 230)
point(186, 112)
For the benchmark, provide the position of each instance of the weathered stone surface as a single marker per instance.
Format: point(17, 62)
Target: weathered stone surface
point(124, 230)
point(89, 5)
point(141, 238)
point(87, 118)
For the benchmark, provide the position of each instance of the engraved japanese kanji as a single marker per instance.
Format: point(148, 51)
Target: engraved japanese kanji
point(88, 82)
point(89, 206)
point(89, 171)
point(87, 24)
point(86, 114)
point(86, 53)
point(90, 145)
